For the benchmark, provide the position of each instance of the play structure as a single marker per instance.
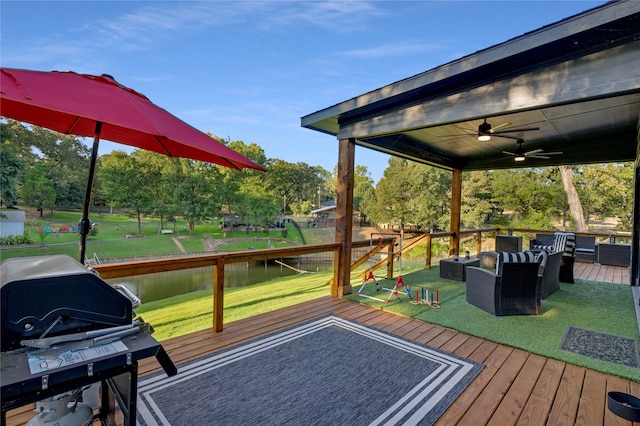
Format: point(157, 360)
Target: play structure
point(399, 290)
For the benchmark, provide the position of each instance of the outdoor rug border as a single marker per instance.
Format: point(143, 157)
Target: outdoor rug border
point(597, 345)
point(424, 404)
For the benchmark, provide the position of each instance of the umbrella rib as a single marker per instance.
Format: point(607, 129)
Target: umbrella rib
point(162, 145)
point(68, 132)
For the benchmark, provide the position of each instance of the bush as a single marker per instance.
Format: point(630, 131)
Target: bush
point(284, 232)
point(13, 240)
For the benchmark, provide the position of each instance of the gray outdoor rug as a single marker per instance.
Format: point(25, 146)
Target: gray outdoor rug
point(601, 346)
point(326, 372)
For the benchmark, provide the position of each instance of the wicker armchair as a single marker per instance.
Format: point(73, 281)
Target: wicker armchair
point(550, 271)
point(515, 292)
point(564, 242)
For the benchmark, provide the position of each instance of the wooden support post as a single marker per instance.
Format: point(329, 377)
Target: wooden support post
point(218, 295)
point(427, 264)
point(456, 200)
point(478, 242)
point(390, 253)
point(344, 213)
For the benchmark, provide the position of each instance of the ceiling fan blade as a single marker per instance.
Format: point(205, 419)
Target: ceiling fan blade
point(542, 157)
point(509, 153)
point(554, 153)
point(500, 126)
point(524, 129)
point(501, 135)
point(533, 152)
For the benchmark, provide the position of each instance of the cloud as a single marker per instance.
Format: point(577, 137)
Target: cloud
point(401, 48)
point(337, 16)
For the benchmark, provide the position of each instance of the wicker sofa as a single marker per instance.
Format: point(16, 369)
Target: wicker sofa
point(514, 288)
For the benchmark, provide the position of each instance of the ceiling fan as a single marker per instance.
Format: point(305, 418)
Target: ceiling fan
point(520, 154)
point(485, 131)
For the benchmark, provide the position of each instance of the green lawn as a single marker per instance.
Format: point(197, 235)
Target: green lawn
point(187, 313)
point(110, 241)
point(601, 307)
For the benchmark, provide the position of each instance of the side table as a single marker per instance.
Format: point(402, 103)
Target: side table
point(456, 269)
point(613, 254)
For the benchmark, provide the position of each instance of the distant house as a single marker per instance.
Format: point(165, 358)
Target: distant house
point(325, 217)
point(12, 223)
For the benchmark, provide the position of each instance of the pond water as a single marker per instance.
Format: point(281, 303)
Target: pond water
point(167, 284)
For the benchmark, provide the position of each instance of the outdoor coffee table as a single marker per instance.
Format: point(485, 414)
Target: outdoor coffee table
point(451, 269)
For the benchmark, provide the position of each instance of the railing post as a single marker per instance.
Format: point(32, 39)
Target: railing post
point(218, 295)
point(336, 273)
point(427, 264)
point(479, 243)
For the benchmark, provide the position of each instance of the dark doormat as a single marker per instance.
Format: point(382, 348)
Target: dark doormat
point(327, 372)
point(601, 346)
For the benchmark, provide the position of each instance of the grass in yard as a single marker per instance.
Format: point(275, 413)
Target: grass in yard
point(187, 313)
point(111, 230)
point(601, 307)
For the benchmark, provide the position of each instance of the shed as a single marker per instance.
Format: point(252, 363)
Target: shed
point(12, 223)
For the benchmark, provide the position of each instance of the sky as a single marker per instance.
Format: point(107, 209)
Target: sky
point(249, 70)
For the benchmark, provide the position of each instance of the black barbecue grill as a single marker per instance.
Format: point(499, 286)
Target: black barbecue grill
point(56, 295)
point(55, 303)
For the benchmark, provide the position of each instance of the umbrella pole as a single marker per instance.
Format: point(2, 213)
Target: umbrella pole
point(85, 225)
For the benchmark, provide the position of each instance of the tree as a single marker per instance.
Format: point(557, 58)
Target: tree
point(575, 206)
point(128, 183)
point(410, 193)
point(297, 182)
point(259, 205)
point(11, 169)
point(363, 190)
point(607, 190)
point(533, 197)
point(195, 195)
point(38, 189)
point(477, 200)
point(230, 182)
point(67, 159)
point(393, 195)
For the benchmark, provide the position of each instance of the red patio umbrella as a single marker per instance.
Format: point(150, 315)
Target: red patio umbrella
point(99, 107)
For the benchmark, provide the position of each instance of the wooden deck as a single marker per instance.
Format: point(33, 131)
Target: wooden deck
point(515, 387)
point(603, 273)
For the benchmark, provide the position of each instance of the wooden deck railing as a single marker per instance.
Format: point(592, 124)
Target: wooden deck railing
point(219, 260)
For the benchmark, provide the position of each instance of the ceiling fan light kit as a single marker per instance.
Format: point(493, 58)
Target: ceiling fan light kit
point(484, 131)
point(521, 155)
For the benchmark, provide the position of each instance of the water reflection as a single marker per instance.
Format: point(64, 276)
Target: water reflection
point(167, 284)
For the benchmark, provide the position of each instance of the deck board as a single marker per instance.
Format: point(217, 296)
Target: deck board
point(515, 387)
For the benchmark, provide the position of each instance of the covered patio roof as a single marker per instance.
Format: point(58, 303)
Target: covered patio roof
point(577, 80)
point(575, 84)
